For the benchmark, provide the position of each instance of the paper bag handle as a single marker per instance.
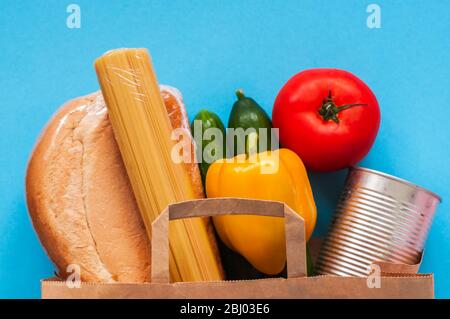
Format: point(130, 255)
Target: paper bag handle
point(294, 229)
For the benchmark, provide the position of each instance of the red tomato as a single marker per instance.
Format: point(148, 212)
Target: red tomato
point(329, 117)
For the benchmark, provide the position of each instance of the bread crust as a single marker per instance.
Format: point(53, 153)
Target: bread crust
point(79, 196)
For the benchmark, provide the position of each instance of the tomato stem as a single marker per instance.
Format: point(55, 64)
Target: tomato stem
point(329, 110)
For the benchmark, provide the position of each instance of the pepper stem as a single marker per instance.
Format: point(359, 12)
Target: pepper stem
point(329, 110)
point(251, 147)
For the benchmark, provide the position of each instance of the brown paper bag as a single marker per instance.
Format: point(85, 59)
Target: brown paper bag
point(395, 281)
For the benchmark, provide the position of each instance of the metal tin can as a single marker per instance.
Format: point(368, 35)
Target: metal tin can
point(379, 217)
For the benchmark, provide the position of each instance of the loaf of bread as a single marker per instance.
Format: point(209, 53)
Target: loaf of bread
point(79, 196)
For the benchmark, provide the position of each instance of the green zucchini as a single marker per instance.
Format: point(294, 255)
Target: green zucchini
point(209, 120)
point(247, 114)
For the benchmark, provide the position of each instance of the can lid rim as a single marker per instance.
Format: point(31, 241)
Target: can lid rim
point(398, 179)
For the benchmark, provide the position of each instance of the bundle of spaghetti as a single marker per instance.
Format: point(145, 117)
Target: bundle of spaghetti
point(143, 132)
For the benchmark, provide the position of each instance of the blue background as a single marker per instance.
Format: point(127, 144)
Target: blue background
point(208, 49)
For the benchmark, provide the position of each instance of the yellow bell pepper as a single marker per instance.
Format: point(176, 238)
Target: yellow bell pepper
point(261, 239)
